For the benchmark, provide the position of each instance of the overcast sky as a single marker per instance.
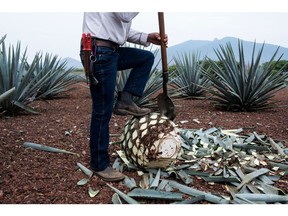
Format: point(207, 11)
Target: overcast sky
point(59, 32)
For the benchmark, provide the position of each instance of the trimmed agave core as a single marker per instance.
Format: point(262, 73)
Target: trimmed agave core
point(151, 141)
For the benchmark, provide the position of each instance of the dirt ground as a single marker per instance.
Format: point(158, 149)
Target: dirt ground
point(30, 176)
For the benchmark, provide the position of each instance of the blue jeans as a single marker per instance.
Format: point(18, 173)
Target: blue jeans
point(108, 62)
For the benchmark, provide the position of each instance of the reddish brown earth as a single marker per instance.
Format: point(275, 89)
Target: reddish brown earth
point(33, 176)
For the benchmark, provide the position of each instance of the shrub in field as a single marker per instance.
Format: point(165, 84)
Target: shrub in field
point(243, 86)
point(15, 74)
point(53, 77)
point(189, 80)
point(28, 81)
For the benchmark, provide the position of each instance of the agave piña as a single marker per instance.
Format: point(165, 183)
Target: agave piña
point(151, 141)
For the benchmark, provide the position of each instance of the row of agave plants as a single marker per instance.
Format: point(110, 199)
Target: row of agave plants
point(232, 84)
point(21, 82)
point(237, 85)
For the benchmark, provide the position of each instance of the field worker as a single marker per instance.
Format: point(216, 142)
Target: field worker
point(109, 31)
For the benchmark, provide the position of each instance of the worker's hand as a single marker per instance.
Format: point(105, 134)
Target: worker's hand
point(156, 39)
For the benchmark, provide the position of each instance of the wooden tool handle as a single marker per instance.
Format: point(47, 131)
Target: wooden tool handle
point(163, 52)
point(163, 46)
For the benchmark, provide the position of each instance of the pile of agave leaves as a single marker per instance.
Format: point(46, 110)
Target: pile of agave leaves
point(247, 165)
point(224, 156)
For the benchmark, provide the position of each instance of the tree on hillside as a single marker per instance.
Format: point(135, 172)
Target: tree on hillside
point(278, 65)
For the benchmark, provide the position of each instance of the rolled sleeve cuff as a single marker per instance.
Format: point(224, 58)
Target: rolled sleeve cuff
point(144, 39)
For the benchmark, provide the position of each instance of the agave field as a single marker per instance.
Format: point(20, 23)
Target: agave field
point(227, 145)
point(30, 175)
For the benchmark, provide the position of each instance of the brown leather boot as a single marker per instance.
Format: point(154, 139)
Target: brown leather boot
point(125, 105)
point(109, 174)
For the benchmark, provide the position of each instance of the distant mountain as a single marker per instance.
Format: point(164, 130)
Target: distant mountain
point(70, 62)
point(206, 48)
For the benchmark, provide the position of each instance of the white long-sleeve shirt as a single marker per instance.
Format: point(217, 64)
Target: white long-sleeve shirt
point(113, 26)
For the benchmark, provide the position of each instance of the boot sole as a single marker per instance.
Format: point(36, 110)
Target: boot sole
point(109, 179)
point(120, 178)
point(117, 112)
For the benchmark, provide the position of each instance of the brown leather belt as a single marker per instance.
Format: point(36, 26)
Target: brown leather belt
point(105, 43)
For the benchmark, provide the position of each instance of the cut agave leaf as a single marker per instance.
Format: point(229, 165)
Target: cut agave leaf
point(156, 180)
point(153, 194)
point(196, 173)
point(249, 177)
point(259, 138)
point(252, 188)
point(221, 179)
point(232, 132)
point(280, 165)
point(130, 183)
point(168, 188)
point(266, 180)
point(46, 148)
point(276, 147)
point(192, 200)
point(269, 189)
point(244, 189)
point(116, 199)
point(144, 182)
point(231, 189)
point(248, 146)
point(92, 193)
point(237, 200)
point(270, 198)
point(184, 177)
point(155, 171)
point(218, 172)
point(194, 192)
point(250, 138)
point(85, 170)
point(162, 184)
point(82, 182)
point(124, 159)
point(117, 165)
point(128, 199)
